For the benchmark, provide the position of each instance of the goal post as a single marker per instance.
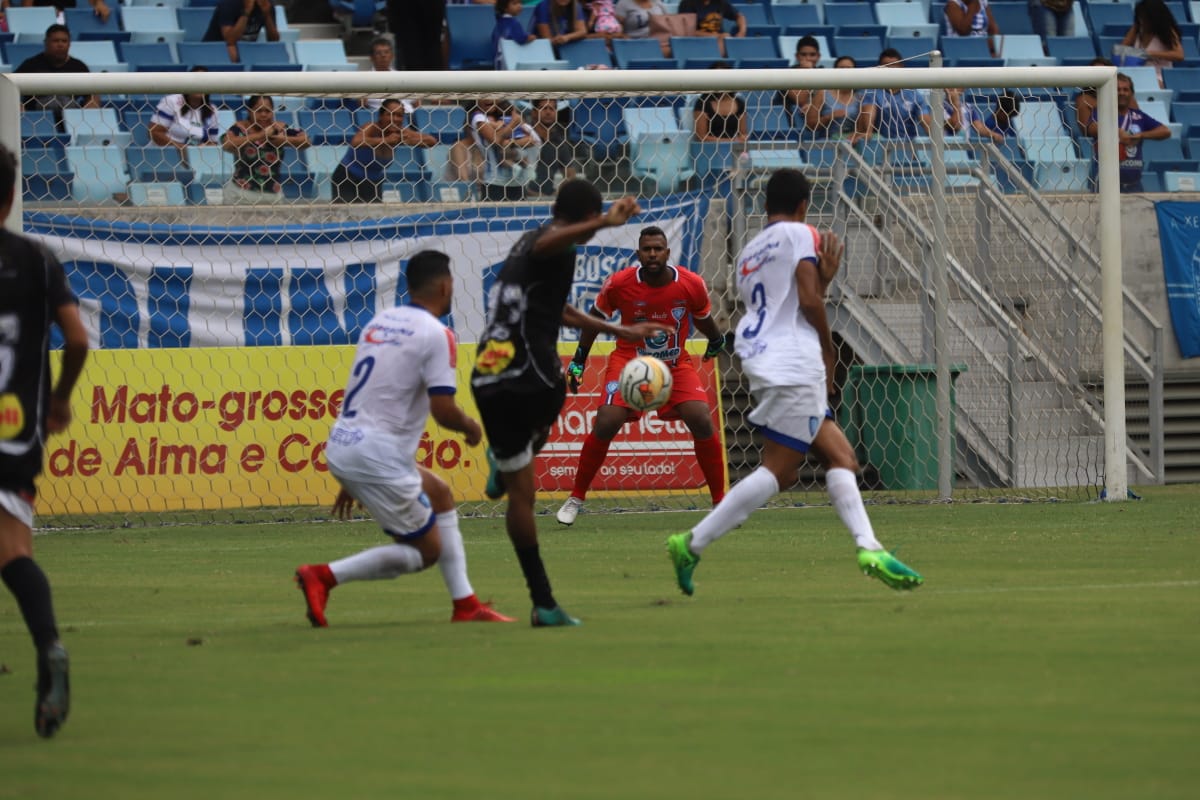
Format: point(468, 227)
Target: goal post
point(941, 283)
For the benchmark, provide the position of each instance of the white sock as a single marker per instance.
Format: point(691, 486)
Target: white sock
point(453, 561)
point(843, 491)
point(746, 495)
point(378, 563)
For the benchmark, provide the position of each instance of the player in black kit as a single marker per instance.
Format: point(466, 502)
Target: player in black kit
point(518, 378)
point(33, 294)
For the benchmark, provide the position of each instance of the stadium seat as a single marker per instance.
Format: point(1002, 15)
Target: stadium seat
point(86, 26)
point(137, 122)
point(797, 20)
point(1071, 47)
point(100, 56)
point(847, 15)
point(136, 54)
point(863, 49)
point(1177, 181)
point(28, 25)
point(15, 54)
point(211, 168)
point(147, 24)
point(1024, 51)
point(695, 52)
point(207, 54)
point(152, 164)
point(194, 22)
point(536, 55)
point(94, 126)
point(906, 19)
point(914, 50)
point(1145, 79)
point(470, 32)
point(770, 123)
point(405, 179)
point(754, 52)
point(445, 122)
point(323, 55)
point(322, 160)
point(659, 150)
point(327, 125)
point(1110, 19)
point(1040, 120)
point(1050, 149)
point(640, 54)
point(1184, 82)
point(585, 53)
point(357, 14)
point(171, 3)
point(442, 188)
point(1072, 175)
point(1012, 18)
point(294, 176)
point(156, 194)
point(287, 34)
point(99, 172)
point(712, 161)
point(968, 51)
point(598, 123)
point(252, 53)
point(1188, 115)
point(1155, 150)
point(46, 174)
point(40, 129)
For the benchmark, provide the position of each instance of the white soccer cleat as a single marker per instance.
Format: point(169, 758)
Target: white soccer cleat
point(569, 511)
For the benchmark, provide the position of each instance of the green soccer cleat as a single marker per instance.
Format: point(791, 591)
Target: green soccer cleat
point(684, 559)
point(495, 487)
point(551, 618)
point(886, 567)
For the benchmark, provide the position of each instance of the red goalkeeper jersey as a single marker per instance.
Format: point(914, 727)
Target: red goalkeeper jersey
point(675, 305)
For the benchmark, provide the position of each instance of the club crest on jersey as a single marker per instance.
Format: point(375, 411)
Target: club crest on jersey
point(494, 357)
point(612, 389)
point(12, 416)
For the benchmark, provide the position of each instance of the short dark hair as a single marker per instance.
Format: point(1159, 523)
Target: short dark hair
point(577, 200)
point(786, 190)
point(1009, 103)
point(424, 268)
point(651, 230)
point(57, 28)
point(390, 101)
point(808, 41)
point(890, 52)
point(254, 100)
point(381, 41)
point(8, 174)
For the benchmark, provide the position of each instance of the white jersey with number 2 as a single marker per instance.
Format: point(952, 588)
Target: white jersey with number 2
point(777, 345)
point(404, 355)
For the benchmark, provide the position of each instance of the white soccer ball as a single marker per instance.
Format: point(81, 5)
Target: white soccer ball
point(645, 383)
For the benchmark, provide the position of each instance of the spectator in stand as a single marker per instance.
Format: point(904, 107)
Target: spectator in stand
point(99, 8)
point(958, 115)
point(418, 26)
point(257, 143)
point(836, 110)
point(183, 119)
point(798, 101)
point(1155, 31)
point(893, 113)
point(1052, 17)
point(236, 21)
point(505, 147)
point(383, 59)
point(56, 58)
point(602, 20)
point(720, 116)
point(970, 18)
point(560, 21)
point(635, 16)
point(359, 178)
point(508, 27)
point(999, 126)
point(1133, 127)
point(1085, 103)
point(711, 16)
point(559, 155)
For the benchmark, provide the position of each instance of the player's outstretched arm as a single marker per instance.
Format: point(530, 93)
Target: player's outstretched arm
point(579, 360)
point(449, 414)
point(560, 236)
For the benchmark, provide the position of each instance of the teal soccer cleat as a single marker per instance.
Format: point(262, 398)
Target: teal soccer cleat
point(495, 487)
point(684, 559)
point(887, 568)
point(551, 618)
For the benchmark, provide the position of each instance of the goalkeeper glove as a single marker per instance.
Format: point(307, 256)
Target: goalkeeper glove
point(575, 370)
point(718, 345)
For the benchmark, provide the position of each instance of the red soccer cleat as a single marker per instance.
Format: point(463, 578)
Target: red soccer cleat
point(478, 612)
point(315, 581)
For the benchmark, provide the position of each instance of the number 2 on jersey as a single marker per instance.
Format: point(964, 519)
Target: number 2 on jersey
point(758, 307)
point(361, 373)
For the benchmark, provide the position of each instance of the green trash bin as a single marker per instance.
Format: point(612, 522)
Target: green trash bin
point(889, 413)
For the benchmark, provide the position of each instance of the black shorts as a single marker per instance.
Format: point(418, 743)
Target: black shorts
point(515, 419)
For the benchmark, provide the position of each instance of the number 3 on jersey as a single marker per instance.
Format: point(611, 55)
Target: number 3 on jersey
point(758, 307)
point(360, 374)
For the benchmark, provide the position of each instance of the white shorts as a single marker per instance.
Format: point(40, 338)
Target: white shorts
point(396, 501)
point(18, 506)
point(791, 415)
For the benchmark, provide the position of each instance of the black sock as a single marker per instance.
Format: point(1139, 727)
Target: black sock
point(25, 579)
point(535, 576)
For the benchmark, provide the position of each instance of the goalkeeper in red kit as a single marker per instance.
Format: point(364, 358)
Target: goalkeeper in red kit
point(652, 291)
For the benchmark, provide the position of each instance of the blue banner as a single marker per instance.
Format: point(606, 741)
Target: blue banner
point(145, 285)
point(1179, 234)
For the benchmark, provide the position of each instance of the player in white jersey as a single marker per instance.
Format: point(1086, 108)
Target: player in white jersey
point(787, 353)
point(404, 370)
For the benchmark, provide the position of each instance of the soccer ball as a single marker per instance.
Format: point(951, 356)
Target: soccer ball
point(645, 383)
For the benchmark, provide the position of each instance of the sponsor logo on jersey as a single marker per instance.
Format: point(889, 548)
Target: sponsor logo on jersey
point(384, 334)
point(12, 416)
point(494, 357)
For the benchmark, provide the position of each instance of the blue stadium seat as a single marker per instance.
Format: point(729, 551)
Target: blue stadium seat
point(147, 25)
point(99, 172)
point(151, 53)
point(293, 174)
point(535, 55)
point(323, 55)
point(850, 14)
point(86, 26)
point(1025, 50)
point(1178, 181)
point(754, 52)
point(639, 54)
point(1163, 150)
point(1110, 19)
point(470, 31)
point(797, 20)
point(906, 19)
point(1012, 18)
point(322, 160)
point(252, 53)
point(207, 54)
point(40, 129)
point(1071, 47)
point(94, 126)
point(360, 14)
point(585, 53)
point(770, 123)
point(445, 122)
point(712, 161)
point(598, 122)
point(964, 50)
point(137, 122)
point(194, 23)
point(29, 25)
point(15, 53)
point(100, 56)
point(695, 52)
point(327, 125)
point(863, 49)
point(915, 50)
point(46, 174)
point(153, 164)
point(405, 179)
point(1073, 175)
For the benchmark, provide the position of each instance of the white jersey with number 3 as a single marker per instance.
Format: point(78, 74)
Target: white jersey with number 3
point(404, 355)
point(777, 345)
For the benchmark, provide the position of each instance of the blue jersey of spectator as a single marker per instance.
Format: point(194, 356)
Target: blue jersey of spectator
point(508, 27)
point(901, 114)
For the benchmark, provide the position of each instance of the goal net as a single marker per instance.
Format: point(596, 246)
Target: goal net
point(229, 241)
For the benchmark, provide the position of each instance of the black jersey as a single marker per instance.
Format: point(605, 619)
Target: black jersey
point(32, 288)
point(519, 346)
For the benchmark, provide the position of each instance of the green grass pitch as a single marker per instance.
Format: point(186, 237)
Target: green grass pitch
point(1052, 653)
